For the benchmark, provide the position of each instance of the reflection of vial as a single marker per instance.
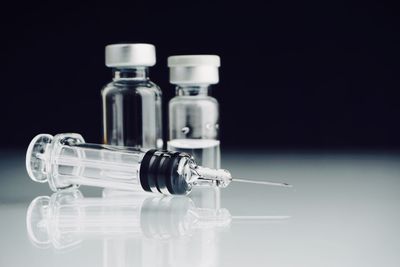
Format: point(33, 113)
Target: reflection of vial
point(193, 113)
point(131, 102)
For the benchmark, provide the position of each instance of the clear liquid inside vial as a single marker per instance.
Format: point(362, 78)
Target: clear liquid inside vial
point(206, 152)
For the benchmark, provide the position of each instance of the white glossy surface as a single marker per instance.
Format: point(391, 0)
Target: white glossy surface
point(344, 211)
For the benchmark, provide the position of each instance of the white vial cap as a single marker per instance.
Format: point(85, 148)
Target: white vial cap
point(194, 69)
point(130, 55)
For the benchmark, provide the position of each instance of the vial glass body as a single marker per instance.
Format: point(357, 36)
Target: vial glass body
point(132, 110)
point(193, 124)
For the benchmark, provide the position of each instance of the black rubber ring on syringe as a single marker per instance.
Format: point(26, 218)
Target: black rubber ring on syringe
point(159, 169)
point(143, 172)
point(162, 171)
point(168, 174)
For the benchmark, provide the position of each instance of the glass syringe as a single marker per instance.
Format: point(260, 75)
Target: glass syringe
point(65, 161)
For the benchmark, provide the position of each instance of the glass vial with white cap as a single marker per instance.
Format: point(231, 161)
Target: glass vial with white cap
point(193, 113)
point(131, 102)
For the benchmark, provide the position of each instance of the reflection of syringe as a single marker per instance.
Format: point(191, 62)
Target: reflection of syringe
point(65, 160)
point(66, 218)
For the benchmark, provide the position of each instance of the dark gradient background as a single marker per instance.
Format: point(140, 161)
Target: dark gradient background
point(294, 76)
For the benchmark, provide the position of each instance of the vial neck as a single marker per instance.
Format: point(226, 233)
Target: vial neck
point(193, 90)
point(137, 73)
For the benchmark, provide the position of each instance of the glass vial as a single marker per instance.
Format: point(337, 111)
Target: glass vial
point(131, 102)
point(193, 113)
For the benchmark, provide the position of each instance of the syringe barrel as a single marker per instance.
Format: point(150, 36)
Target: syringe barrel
point(65, 160)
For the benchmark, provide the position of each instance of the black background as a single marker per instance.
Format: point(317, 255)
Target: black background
point(294, 75)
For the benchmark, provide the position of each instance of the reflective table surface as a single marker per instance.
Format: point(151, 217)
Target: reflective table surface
point(343, 210)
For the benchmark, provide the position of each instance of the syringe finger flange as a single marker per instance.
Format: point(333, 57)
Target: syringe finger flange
point(35, 161)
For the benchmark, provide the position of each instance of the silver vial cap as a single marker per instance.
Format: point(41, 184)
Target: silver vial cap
point(194, 69)
point(130, 55)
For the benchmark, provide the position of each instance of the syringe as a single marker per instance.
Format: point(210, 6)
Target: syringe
point(65, 161)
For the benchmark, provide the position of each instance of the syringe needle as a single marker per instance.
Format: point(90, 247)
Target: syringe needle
point(261, 217)
point(261, 182)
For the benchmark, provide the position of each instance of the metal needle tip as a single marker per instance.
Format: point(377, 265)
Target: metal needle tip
point(261, 182)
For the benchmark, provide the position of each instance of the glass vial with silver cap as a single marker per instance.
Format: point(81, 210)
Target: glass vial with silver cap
point(193, 112)
point(131, 102)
